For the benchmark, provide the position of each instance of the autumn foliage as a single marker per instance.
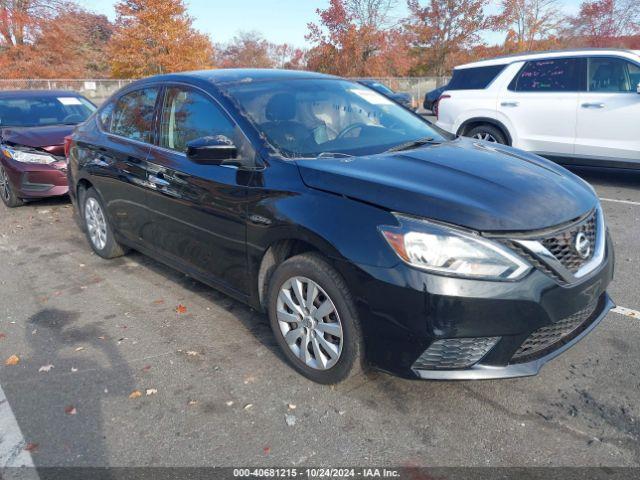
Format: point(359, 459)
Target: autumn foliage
point(360, 38)
point(156, 36)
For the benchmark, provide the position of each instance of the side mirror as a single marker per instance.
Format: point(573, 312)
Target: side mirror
point(211, 150)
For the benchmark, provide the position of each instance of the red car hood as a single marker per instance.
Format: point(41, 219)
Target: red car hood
point(49, 138)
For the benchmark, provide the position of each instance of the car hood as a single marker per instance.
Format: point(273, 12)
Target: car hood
point(465, 182)
point(50, 138)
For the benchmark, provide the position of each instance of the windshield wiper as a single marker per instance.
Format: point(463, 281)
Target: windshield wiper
point(334, 155)
point(413, 144)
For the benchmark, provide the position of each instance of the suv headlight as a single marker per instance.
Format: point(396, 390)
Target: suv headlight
point(445, 250)
point(28, 157)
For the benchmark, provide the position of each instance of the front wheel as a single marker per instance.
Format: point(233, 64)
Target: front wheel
point(6, 191)
point(97, 228)
point(314, 320)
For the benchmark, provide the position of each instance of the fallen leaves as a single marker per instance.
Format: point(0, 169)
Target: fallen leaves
point(192, 353)
point(248, 406)
point(45, 368)
point(192, 403)
point(266, 450)
point(79, 349)
point(2, 336)
point(146, 368)
point(70, 410)
point(151, 391)
point(12, 360)
point(181, 309)
point(31, 447)
point(229, 403)
point(135, 394)
point(249, 379)
point(291, 406)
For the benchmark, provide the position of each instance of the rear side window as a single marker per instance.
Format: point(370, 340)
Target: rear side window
point(132, 115)
point(612, 75)
point(188, 115)
point(550, 75)
point(473, 78)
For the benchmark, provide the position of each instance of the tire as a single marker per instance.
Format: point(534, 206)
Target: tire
point(488, 133)
point(332, 297)
point(97, 228)
point(7, 193)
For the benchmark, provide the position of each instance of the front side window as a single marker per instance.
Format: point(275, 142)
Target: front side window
point(188, 115)
point(475, 78)
point(549, 75)
point(612, 75)
point(132, 115)
point(307, 118)
point(29, 110)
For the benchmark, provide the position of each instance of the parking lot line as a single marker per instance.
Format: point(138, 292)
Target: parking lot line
point(628, 202)
point(627, 312)
point(12, 443)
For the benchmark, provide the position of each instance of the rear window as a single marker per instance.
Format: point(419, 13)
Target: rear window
point(474, 78)
point(550, 75)
point(39, 111)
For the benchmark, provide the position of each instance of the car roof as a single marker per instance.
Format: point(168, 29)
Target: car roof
point(581, 52)
point(237, 75)
point(37, 93)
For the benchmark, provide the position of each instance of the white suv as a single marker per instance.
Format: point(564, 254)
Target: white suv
point(579, 107)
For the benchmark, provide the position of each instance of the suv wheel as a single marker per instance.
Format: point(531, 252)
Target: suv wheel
point(314, 319)
point(97, 228)
point(488, 133)
point(6, 192)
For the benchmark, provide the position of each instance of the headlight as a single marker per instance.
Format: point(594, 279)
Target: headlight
point(441, 249)
point(28, 157)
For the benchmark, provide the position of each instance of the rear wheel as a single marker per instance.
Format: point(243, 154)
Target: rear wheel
point(6, 191)
point(488, 133)
point(314, 319)
point(97, 228)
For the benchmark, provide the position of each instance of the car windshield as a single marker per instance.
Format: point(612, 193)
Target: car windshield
point(40, 111)
point(318, 118)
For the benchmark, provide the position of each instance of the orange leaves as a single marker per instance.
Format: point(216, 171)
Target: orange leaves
point(12, 361)
point(181, 309)
point(135, 394)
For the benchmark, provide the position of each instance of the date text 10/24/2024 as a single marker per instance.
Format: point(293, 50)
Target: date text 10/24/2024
point(316, 472)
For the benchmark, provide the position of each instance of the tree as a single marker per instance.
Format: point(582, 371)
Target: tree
point(20, 19)
point(528, 22)
point(442, 29)
point(68, 45)
point(600, 23)
point(156, 36)
point(351, 40)
point(245, 50)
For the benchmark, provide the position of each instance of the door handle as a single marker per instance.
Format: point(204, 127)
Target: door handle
point(510, 104)
point(592, 105)
point(159, 182)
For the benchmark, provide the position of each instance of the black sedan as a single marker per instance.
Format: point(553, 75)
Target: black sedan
point(369, 236)
point(402, 98)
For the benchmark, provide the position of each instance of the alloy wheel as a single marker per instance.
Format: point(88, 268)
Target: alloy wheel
point(96, 223)
point(309, 322)
point(5, 188)
point(487, 137)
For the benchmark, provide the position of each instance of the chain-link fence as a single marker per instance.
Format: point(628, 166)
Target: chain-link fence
point(99, 90)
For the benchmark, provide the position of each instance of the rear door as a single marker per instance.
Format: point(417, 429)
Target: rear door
point(541, 103)
point(609, 112)
point(118, 159)
point(198, 211)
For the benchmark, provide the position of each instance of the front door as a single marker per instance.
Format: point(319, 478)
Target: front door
point(609, 112)
point(198, 211)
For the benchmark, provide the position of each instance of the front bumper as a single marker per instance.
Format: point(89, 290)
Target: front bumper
point(32, 180)
point(403, 311)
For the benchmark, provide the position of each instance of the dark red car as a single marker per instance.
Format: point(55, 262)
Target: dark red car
point(33, 124)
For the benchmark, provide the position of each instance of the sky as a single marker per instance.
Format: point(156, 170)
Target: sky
point(279, 21)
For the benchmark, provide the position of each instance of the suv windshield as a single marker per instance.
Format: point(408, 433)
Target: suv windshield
point(40, 111)
point(307, 118)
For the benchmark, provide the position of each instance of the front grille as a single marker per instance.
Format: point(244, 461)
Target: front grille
point(562, 244)
point(549, 337)
point(451, 353)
